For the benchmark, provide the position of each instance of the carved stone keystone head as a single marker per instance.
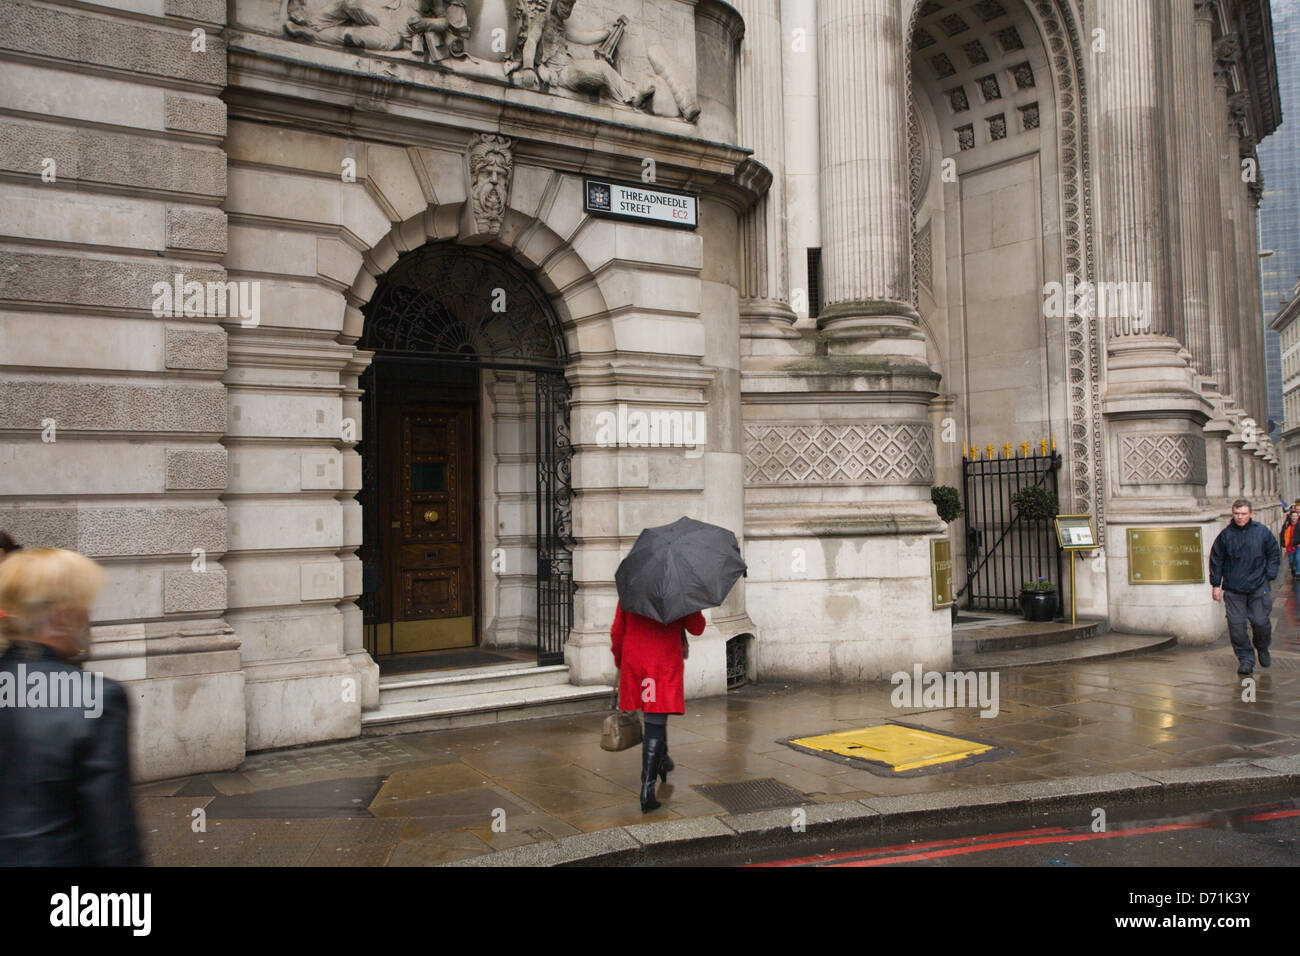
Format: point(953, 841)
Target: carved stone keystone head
point(491, 164)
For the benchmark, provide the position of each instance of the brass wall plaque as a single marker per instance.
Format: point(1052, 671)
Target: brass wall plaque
point(940, 573)
point(1165, 556)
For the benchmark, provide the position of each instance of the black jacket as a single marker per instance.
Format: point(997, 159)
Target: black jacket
point(65, 782)
point(1244, 559)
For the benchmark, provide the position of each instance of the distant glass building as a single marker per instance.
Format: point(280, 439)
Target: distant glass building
point(1279, 213)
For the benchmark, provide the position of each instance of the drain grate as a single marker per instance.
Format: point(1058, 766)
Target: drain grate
point(752, 795)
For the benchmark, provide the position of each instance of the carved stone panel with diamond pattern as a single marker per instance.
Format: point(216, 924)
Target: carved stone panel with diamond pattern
point(1155, 458)
point(867, 453)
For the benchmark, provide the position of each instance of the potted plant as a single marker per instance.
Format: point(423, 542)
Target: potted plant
point(1036, 503)
point(1038, 600)
point(947, 501)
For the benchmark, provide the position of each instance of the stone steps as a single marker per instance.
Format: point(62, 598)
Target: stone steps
point(1022, 634)
point(433, 685)
point(471, 697)
point(1098, 648)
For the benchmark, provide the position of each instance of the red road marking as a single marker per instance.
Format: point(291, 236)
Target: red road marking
point(938, 849)
point(877, 851)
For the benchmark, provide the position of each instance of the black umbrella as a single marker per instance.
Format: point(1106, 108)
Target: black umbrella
point(678, 568)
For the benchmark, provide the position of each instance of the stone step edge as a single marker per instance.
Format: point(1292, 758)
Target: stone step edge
point(480, 703)
point(990, 659)
point(676, 841)
point(995, 642)
point(465, 675)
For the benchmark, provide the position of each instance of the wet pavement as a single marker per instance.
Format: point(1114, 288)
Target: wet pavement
point(445, 796)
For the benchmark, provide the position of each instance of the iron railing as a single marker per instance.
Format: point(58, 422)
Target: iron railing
point(1002, 549)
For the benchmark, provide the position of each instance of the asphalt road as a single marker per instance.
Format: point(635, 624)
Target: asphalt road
point(1251, 835)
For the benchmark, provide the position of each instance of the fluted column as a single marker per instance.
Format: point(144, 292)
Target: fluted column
point(1191, 218)
point(1228, 177)
point(1132, 144)
point(765, 276)
point(1211, 217)
point(866, 207)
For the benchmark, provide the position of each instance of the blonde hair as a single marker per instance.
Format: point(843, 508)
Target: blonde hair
point(34, 581)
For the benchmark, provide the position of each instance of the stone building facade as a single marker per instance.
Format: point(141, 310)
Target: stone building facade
point(1285, 324)
point(312, 325)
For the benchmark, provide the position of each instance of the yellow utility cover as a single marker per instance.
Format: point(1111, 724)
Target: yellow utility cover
point(900, 748)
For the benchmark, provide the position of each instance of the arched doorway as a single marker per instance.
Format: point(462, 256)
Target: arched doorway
point(467, 535)
point(1000, 219)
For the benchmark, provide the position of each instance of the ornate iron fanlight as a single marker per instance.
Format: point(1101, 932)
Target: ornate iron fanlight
point(463, 303)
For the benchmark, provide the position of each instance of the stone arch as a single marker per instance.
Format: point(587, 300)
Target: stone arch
point(539, 236)
point(1058, 29)
point(422, 193)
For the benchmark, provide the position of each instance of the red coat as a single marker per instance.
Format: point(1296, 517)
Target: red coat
point(649, 660)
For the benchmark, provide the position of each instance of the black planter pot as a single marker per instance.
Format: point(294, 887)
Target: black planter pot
point(1038, 605)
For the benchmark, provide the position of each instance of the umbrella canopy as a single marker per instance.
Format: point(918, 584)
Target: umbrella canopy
point(677, 569)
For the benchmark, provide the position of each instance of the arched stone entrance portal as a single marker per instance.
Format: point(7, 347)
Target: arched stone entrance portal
point(465, 439)
point(1001, 216)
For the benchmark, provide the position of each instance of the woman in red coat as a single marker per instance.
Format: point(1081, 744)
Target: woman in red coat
point(649, 658)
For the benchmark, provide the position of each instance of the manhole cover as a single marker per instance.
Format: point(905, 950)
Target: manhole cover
point(752, 795)
point(896, 749)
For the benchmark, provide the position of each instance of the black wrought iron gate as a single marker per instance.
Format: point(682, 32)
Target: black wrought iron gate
point(1003, 550)
point(554, 518)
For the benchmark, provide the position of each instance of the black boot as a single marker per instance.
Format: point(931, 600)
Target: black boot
point(652, 750)
point(665, 763)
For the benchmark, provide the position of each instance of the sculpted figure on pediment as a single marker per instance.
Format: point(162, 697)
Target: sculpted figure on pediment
point(436, 29)
point(549, 53)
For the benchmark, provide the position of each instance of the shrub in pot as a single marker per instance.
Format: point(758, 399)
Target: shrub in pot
point(1038, 600)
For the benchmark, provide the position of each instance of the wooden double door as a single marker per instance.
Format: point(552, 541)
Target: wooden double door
point(428, 498)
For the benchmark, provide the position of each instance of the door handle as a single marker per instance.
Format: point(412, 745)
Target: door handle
point(431, 516)
point(397, 524)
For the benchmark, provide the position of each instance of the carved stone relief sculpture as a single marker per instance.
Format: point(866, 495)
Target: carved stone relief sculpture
point(491, 164)
point(549, 53)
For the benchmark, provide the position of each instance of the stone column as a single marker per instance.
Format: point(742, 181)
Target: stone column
point(803, 226)
point(1227, 171)
point(1133, 148)
point(764, 261)
point(1153, 403)
point(1191, 219)
point(1207, 132)
point(866, 206)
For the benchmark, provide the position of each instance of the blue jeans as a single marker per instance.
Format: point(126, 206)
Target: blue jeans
point(1293, 559)
point(1253, 607)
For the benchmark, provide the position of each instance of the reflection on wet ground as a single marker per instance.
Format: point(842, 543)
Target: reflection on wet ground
point(429, 798)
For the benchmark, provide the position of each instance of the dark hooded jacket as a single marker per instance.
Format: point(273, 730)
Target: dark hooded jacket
point(1244, 559)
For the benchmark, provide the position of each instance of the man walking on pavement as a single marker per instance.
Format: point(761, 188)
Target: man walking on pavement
point(1243, 560)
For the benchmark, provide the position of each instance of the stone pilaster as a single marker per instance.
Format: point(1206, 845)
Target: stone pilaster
point(764, 259)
